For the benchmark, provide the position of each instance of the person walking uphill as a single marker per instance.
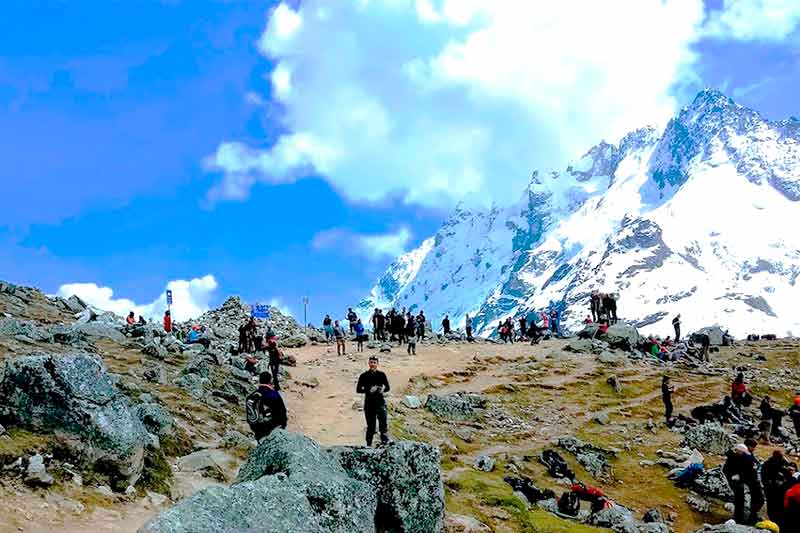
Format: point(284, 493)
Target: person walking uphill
point(339, 334)
point(373, 384)
point(275, 357)
point(265, 408)
point(676, 323)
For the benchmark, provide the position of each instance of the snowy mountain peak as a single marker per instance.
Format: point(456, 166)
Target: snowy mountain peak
point(673, 221)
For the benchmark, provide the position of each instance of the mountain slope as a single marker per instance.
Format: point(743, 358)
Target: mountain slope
point(697, 219)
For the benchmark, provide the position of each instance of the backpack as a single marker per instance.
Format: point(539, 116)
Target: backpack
point(556, 465)
point(569, 504)
point(258, 412)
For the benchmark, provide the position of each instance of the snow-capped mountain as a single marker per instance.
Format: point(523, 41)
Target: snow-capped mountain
point(699, 219)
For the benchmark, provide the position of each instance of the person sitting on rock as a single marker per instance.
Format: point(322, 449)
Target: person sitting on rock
point(794, 415)
point(251, 364)
point(739, 390)
point(774, 417)
point(265, 408)
point(373, 384)
point(196, 337)
point(131, 320)
point(588, 320)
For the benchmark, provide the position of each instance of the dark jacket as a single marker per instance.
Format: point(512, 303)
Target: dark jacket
point(742, 465)
point(369, 379)
point(273, 400)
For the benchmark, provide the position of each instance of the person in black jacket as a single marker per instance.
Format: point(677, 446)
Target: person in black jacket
point(667, 390)
point(273, 403)
point(774, 475)
point(373, 384)
point(740, 469)
point(446, 325)
point(794, 414)
point(275, 356)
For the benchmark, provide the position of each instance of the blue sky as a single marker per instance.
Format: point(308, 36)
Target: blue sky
point(291, 149)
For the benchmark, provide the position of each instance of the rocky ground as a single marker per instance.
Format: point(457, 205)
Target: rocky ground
point(157, 421)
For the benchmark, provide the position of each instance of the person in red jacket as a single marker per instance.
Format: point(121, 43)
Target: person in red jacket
point(791, 508)
point(167, 322)
point(738, 390)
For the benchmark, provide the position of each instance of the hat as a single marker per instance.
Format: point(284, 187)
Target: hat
point(797, 401)
point(741, 448)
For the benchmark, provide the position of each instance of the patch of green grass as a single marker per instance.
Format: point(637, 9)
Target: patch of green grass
point(156, 474)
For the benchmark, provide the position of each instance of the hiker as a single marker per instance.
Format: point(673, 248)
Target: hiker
point(360, 336)
point(739, 392)
point(774, 475)
point(400, 326)
point(468, 325)
point(554, 322)
point(667, 390)
point(275, 356)
point(327, 325)
point(523, 327)
point(705, 345)
point(676, 323)
point(594, 306)
point(411, 332)
point(794, 414)
point(420, 326)
point(446, 325)
point(791, 501)
point(411, 345)
point(609, 305)
point(251, 364)
point(195, 337)
point(351, 319)
point(243, 338)
point(339, 334)
point(131, 320)
point(740, 471)
point(534, 333)
point(774, 417)
point(167, 322)
point(373, 384)
point(378, 323)
point(265, 408)
point(510, 330)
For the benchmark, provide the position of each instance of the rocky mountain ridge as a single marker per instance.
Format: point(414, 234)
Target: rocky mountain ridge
point(690, 220)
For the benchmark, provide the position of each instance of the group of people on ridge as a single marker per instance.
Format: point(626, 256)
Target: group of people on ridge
point(529, 329)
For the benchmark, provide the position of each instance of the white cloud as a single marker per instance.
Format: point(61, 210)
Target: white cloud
point(190, 298)
point(282, 307)
point(438, 100)
point(372, 246)
point(754, 20)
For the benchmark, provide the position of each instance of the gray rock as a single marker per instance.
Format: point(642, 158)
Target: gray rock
point(154, 349)
point(271, 504)
point(295, 341)
point(653, 516)
point(100, 330)
point(407, 477)
point(36, 475)
point(611, 358)
point(698, 503)
point(23, 329)
point(615, 384)
point(155, 374)
point(205, 462)
point(455, 406)
point(593, 458)
point(156, 419)
point(712, 483)
point(621, 520)
point(579, 346)
point(455, 523)
point(484, 463)
point(710, 438)
point(74, 395)
point(602, 419)
point(728, 528)
point(386, 348)
point(237, 441)
point(194, 384)
point(623, 337)
point(715, 335)
point(412, 402)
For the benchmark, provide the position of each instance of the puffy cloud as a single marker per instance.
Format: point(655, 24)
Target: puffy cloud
point(282, 307)
point(374, 247)
point(755, 20)
point(190, 298)
point(437, 99)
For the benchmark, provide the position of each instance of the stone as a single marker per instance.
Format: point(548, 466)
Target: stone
point(295, 341)
point(104, 490)
point(23, 329)
point(579, 346)
point(455, 406)
point(154, 349)
point(620, 519)
point(465, 434)
point(36, 474)
point(155, 374)
point(602, 419)
point(204, 462)
point(653, 516)
point(484, 463)
point(713, 484)
point(456, 523)
point(710, 438)
point(611, 358)
point(288, 359)
point(194, 384)
point(623, 337)
point(728, 527)
point(698, 503)
point(237, 441)
point(156, 419)
point(74, 395)
point(385, 348)
point(100, 330)
point(408, 480)
point(615, 383)
point(412, 402)
point(715, 335)
point(593, 458)
point(156, 499)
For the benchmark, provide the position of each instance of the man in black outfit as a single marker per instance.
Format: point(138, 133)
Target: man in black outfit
point(774, 475)
point(446, 325)
point(740, 469)
point(667, 391)
point(373, 384)
point(676, 323)
point(274, 361)
point(273, 403)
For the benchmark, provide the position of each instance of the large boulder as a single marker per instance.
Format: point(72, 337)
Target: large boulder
point(456, 406)
point(100, 330)
point(23, 330)
point(710, 438)
point(728, 527)
point(620, 519)
point(73, 396)
point(290, 483)
point(712, 484)
point(715, 335)
point(407, 478)
point(593, 458)
point(622, 336)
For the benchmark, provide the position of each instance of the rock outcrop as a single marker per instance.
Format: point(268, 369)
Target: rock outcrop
point(73, 396)
point(306, 488)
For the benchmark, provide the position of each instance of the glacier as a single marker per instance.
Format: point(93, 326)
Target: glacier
point(698, 219)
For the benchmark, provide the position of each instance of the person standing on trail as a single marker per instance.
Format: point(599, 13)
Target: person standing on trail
point(275, 357)
point(360, 336)
point(594, 306)
point(339, 334)
point(468, 324)
point(421, 326)
point(378, 321)
point(676, 323)
point(327, 325)
point(373, 384)
point(774, 475)
point(167, 322)
point(740, 471)
point(446, 325)
point(351, 319)
point(554, 322)
point(400, 326)
point(667, 390)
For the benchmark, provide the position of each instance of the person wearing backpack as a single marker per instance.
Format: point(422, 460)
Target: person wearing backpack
point(265, 408)
point(373, 384)
point(275, 357)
